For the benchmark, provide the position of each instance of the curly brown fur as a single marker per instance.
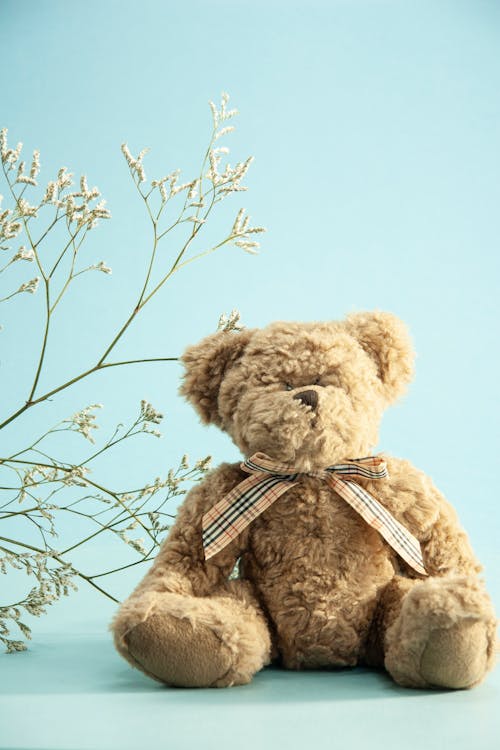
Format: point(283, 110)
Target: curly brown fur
point(318, 587)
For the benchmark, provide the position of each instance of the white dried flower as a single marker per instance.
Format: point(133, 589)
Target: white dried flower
point(30, 286)
point(64, 178)
point(9, 229)
point(242, 230)
point(255, 230)
point(50, 193)
point(3, 143)
point(24, 254)
point(234, 188)
point(25, 209)
point(163, 192)
point(223, 114)
point(179, 188)
point(135, 165)
point(13, 646)
point(100, 212)
point(215, 114)
point(37, 474)
point(173, 177)
point(224, 131)
point(82, 215)
point(128, 156)
point(76, 476)
point(241, 169)
point(101, 266)
point(10, 156)
point(237, 222)
point(155, 433)
point(149, 413)
point(138, 545)
point(26, 180)
point(70, 207)
point(213, 173)
point(140, 173)
point(203, 464)
point(249, 247)
point(193, 190)
point(35, 165)
point(230, 322)
point(84, 421)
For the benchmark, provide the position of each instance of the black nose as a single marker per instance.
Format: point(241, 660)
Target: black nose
point(309, 398)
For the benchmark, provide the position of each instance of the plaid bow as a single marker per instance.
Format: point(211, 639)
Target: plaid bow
point(268, 480)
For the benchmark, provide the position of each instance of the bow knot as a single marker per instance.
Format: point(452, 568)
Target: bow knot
point(268, 480)
point(370, 467)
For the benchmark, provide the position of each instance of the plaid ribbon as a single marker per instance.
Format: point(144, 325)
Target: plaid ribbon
point(268, 480)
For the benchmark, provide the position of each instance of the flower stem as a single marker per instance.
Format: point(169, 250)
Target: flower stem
point(95, 368)
point(57, 557)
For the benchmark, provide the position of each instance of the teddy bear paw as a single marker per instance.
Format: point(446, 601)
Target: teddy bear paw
point(444, 635)
point(455, 657)
point(171, 650)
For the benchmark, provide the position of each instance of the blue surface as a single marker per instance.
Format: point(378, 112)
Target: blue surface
point(74, 693)
point(376, 130)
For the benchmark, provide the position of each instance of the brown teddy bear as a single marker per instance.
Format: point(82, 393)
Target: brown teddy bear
point(344, 558)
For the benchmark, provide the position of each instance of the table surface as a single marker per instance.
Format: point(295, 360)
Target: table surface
point(71, 691)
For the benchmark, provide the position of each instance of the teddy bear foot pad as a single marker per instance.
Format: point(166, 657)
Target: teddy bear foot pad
point(191, 659)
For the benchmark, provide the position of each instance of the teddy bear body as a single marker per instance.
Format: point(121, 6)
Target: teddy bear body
point(319, 622)
point(317, 587)
point(309, 535)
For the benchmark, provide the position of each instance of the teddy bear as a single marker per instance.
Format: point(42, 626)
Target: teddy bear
point(343, 557)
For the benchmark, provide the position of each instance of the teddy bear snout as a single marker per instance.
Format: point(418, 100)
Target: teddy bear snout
point(309, 398)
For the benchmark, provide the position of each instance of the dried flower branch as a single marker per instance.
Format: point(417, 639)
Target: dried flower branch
point(36, 487)
point(231, 322)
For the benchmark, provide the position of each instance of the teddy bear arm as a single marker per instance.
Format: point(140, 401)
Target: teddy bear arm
point(182, 555)
point(185, 623)
point(446, 548)
point(440, 631)
point(420, 506)
point(180, 566)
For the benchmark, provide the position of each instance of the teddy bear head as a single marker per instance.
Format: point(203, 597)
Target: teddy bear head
point(306, 394)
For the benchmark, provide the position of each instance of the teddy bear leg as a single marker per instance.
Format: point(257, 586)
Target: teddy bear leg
point(189, 641)
point(438, 632)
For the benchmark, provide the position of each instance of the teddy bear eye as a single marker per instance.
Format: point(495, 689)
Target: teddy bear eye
point(288, 387)
point(317, 381)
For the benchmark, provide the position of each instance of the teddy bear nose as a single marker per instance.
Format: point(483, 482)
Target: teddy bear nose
point(309, 398)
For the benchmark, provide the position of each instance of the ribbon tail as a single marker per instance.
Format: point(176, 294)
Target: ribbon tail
point(407, 546)
point(231, 515)
point(395, 534)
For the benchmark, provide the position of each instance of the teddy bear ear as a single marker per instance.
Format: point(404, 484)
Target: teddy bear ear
point(206, 364)
point(386, 339)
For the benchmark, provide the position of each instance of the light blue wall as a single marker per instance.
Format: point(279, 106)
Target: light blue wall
point(375, 131)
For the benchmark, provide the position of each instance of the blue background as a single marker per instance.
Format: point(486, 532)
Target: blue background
point(375, 131)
